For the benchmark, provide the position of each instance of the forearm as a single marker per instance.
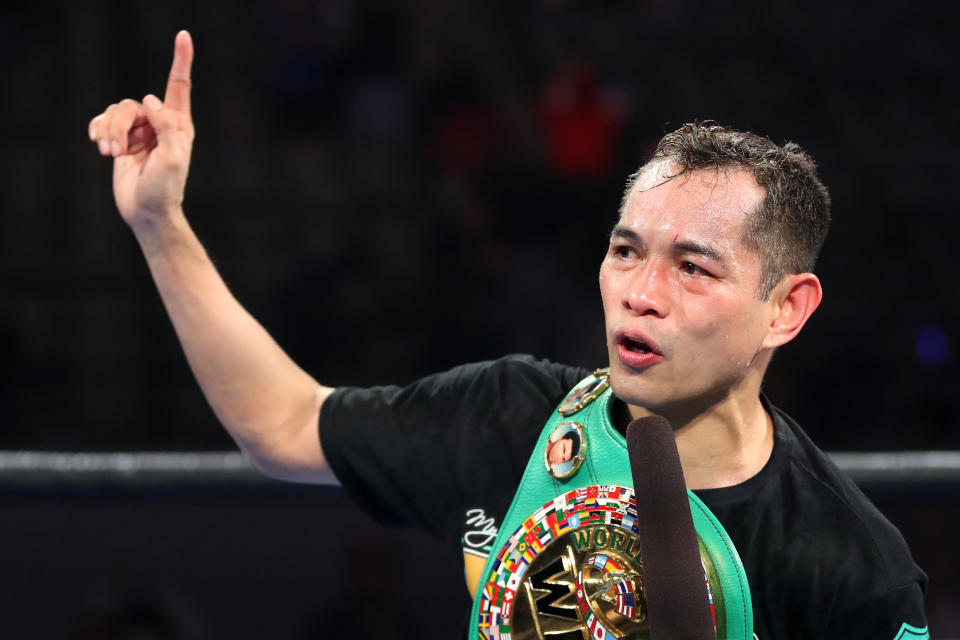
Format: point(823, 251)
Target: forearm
point(268, 404)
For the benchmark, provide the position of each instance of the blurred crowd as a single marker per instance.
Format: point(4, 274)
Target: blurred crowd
point(397, 187)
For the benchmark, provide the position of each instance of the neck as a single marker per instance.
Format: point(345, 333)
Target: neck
point(723, 445)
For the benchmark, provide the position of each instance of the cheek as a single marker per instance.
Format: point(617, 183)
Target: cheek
point(735, 335)
point(606, 283)
point(719, 328)
point(611, 287)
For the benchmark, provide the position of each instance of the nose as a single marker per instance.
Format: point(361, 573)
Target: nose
point(647, 292)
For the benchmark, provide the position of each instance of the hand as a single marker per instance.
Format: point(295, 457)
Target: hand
point(150, 142)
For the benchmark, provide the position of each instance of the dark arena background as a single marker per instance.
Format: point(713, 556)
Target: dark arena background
point(394, 188)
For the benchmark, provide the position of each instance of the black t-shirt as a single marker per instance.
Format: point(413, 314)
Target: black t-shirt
point(447, 452)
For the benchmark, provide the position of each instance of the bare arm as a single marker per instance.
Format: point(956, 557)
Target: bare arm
point(268, 404)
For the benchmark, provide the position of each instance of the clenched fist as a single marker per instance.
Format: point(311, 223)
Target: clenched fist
point(150, 142)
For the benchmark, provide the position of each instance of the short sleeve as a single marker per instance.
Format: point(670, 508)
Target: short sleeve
point(895, 615)
point(413, 455)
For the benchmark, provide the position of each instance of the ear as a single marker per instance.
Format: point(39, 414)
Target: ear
point(793, 302)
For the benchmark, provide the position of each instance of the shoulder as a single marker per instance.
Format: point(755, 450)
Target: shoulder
point(534, 374)
point(519, 367)
point(842, 535)
point(512, 376)
point(509, 395)
point(392, 446)
point(504, 393)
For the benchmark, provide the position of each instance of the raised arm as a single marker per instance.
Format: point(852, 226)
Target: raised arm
point(268, 404)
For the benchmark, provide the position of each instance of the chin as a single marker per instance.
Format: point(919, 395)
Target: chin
point(633, 391)
point(662, 399)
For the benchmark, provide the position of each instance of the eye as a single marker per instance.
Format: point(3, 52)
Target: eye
point(693, 270)
point(622, 251)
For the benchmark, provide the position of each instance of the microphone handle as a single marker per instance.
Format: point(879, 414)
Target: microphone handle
point(673, 576)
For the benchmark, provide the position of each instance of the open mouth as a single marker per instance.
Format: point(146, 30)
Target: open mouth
point(636, 346)
point(635, 341)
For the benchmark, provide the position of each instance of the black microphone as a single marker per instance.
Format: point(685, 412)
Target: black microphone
point(673, 577)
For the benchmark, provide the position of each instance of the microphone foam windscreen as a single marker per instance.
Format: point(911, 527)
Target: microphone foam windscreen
point(673, 577)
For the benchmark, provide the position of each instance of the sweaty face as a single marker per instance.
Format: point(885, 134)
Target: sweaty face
point(679, 289)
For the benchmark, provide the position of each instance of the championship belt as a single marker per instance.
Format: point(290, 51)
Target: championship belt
point(567, 562)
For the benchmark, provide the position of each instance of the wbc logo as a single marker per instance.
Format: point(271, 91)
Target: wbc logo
point(574, 571)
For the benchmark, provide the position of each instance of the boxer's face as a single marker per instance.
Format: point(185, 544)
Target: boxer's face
point(679, 290)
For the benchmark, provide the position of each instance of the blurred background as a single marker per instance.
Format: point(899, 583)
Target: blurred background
point(396, 187)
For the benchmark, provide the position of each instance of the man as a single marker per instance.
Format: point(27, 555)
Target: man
point(709, 270)
point(562, 450)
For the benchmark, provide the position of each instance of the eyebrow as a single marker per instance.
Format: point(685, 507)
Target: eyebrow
point(683, 246)
point(629, 235)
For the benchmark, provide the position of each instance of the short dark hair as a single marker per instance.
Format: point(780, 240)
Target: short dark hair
point(789, 226)
point(574, 443)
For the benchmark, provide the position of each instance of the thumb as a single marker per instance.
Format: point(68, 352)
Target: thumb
point(163, 120)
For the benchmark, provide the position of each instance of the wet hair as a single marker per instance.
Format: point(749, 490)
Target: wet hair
point(788, 227)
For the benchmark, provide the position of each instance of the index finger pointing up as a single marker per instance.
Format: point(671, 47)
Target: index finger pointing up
point(178, 85)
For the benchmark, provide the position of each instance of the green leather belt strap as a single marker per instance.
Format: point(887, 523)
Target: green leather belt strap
point(571, 507)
